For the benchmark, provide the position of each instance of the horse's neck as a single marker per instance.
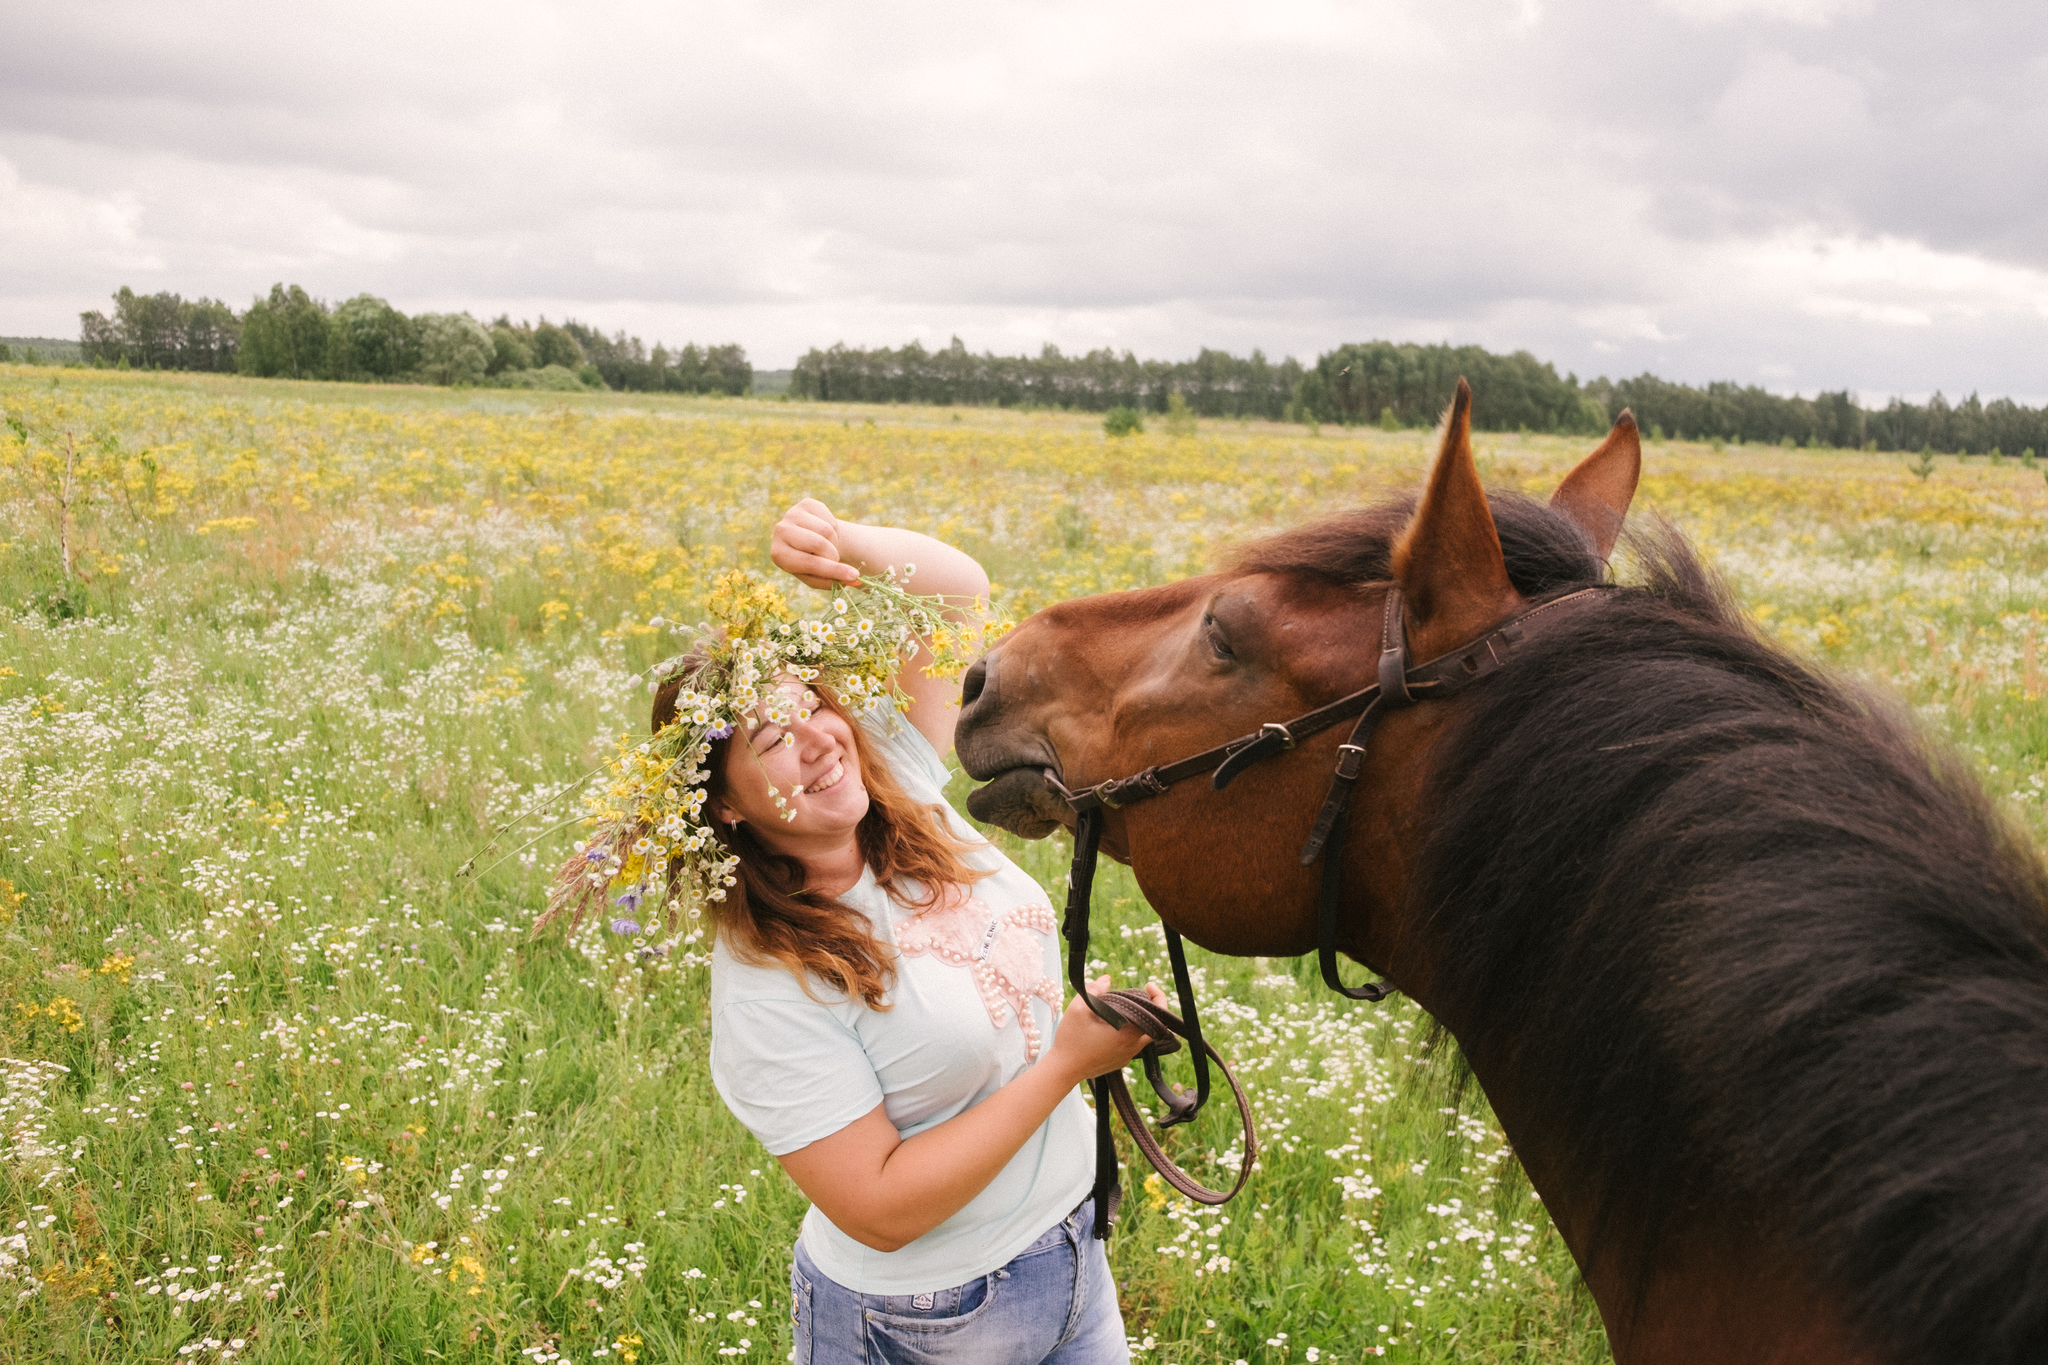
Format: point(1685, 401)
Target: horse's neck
point(1723, 1289)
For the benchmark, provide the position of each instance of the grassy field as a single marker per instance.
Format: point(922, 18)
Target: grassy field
point(280, 1087)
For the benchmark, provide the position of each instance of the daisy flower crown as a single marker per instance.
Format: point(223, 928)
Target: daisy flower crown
point(650, 856)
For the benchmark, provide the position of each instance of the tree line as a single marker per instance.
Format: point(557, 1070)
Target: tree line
point(1403, 384)
point(291, 334)
point(1732, 412)
point(1383, 383)
point(1214, 383)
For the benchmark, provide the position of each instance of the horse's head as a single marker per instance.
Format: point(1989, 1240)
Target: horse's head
point(1103, 687)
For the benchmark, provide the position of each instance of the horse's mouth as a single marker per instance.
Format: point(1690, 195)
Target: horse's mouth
point(1018, 800)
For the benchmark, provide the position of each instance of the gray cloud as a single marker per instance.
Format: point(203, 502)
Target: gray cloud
point(1809, 193)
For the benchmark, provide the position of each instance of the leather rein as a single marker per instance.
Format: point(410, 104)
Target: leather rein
point(1397, 687)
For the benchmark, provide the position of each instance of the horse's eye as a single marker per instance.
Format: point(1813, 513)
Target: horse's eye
point(1214, 634)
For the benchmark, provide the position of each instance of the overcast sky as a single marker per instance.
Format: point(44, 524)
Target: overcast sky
point(1801, 193)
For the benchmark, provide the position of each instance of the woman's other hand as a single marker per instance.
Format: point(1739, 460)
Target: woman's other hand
point(1087, 1046)
point(806, 544)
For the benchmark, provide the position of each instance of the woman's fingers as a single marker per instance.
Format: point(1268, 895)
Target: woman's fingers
point(805, 545)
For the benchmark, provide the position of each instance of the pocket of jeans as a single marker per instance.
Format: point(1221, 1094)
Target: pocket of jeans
point(914, 1339)
point(799, 1317)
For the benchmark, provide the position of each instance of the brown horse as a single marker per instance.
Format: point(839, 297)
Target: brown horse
point(1756, 982)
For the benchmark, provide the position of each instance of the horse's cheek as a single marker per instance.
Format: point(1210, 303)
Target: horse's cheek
point(1223, 892)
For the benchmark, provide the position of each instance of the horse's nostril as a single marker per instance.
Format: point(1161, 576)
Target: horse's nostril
point(976, 678)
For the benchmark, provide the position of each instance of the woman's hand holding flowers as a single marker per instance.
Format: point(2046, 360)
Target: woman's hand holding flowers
point(806, 545)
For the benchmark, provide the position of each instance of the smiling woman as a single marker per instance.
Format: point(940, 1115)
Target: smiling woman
point(886, 1017)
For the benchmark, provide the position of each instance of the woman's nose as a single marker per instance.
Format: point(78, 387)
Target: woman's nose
point(810, 735)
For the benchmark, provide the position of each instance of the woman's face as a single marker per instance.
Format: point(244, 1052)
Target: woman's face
point(811, 762)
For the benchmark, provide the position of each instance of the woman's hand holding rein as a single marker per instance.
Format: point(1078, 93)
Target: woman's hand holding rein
point(1086, 1046)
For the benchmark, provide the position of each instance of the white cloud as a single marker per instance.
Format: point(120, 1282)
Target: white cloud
point(1806, 13)
point(1714, 188)
point(41, 222)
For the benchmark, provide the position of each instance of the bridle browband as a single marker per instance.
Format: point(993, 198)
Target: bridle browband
point(1397, 687)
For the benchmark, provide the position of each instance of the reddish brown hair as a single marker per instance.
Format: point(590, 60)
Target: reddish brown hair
point(772, 916)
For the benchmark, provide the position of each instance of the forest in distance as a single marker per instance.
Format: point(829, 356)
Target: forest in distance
point(1393, 385)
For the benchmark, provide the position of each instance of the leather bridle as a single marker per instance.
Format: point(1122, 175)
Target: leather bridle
point(1396, 687)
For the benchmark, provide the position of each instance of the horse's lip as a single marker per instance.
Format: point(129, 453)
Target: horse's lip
point(1018, 799)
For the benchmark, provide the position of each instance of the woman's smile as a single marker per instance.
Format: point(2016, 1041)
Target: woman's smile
point(828, 781)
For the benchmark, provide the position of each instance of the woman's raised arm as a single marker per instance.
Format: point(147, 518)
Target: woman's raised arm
point(821, 550)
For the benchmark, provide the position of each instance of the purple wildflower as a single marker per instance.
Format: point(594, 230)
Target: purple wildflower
point(625, 928)
point(720, 731)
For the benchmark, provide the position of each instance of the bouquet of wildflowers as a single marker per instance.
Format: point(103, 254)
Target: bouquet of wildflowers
point(651, 855)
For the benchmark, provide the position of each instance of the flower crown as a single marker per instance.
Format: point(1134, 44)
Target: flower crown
point(651, 851)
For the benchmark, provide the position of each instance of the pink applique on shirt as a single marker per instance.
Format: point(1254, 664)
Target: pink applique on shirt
point(1007, 961)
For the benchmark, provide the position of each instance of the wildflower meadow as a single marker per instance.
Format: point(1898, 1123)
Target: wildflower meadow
point(281, 1083)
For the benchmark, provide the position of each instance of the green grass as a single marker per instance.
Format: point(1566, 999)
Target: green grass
point(240, 766)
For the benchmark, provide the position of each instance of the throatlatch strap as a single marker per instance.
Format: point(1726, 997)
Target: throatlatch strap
point(1326, 935)
point(1393, 696)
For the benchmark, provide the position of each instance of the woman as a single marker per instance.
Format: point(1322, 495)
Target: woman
point(884, 995)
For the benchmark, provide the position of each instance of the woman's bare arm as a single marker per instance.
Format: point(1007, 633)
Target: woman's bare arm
point(885, 1191)
point(821, 550)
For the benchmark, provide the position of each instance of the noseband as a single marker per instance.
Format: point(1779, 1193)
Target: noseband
point(1397, 687)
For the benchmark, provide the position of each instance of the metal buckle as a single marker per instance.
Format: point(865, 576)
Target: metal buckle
point(1286, 735)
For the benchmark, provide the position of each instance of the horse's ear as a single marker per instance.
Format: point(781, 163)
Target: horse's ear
point(1596, 495)
point(1448, 562)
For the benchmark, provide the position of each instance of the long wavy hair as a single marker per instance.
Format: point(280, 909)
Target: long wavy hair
point(773, 916)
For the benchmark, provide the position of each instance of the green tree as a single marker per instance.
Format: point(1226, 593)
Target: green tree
point(454, 348)
point(511, 350)
point(285, 335)
point(370, 339)
point(553, 346)
point(161, 331)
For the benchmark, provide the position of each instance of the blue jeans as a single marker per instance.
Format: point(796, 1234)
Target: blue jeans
point(1054, 1304)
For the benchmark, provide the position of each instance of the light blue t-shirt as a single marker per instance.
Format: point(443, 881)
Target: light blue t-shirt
point(975, 1000)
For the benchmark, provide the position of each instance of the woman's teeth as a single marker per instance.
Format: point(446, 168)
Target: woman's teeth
point(830, 779)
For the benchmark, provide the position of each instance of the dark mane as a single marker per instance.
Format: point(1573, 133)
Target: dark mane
point(1543, 550)
point(1773, 950)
